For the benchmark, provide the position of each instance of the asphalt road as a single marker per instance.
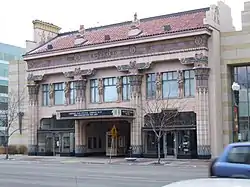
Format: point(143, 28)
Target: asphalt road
point(30, 174)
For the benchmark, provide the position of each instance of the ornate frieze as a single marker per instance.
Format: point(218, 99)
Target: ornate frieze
point(180, 80)
point(201, 41)
point(103, 55)
point(198, 60)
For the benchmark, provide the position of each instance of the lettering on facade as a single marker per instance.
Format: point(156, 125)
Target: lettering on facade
point(120, 52)
point(95, 113)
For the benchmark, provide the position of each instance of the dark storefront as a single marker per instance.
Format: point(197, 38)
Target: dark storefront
point(178, 139)
point(56, 137)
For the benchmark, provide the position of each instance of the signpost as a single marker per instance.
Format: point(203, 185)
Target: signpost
point(113, 137)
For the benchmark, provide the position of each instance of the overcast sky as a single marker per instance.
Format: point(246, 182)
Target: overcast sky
point(16, 15)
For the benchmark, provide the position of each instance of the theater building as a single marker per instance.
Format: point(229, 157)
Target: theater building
point(83, 83)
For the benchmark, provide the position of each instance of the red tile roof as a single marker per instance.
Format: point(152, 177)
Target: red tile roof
point(187, 20)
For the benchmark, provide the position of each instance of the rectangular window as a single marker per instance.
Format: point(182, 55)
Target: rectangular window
point(72, 93)
point(189, 83)
point(45, 92)
point(110, 92)
point(151, 90)
point(94, 96)
point(59, 93)
point(169, 85)
point(125, 88)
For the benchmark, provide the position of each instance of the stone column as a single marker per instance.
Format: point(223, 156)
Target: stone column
point(100, 90)
point(202, 112)
point(67, 92)
point(33, 90)
point(136, 102)
point(80, 85)
point(119, 88)
point(180, 81)
point(80, 138)
point(158, 83)
point(51, 94)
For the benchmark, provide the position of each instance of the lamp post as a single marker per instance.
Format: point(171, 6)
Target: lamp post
point(236, 129)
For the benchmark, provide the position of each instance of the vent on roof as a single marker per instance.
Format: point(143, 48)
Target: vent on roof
point(49, 46)
point(167, 27)
point(107, 37)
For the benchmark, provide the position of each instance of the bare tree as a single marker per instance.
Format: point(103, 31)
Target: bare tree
point(160, 115)
point(11, 117)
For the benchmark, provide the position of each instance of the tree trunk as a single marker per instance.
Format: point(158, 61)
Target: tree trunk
point(158, 150)
point(6, 151)
point(7, 148)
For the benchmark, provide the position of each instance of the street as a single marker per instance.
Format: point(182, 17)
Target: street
point(30, 174)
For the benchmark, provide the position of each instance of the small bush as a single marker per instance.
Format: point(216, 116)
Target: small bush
point(13, 149)
point(22, 149)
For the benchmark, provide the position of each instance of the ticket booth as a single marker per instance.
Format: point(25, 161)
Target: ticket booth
point(117, 147)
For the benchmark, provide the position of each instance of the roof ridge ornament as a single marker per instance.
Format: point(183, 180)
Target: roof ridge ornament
point(134, 29)
point(80, 37)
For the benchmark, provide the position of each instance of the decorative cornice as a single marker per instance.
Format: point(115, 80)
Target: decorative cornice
point(198, 58)
point(32, 79)
point(79, 73)
point(133, 66)
point(167, 36)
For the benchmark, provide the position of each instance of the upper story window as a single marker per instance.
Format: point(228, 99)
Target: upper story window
point(151, 89)
point(125, 88)
point(189, 83)
point(169, 84)
point(110, 92)
point(59, 98)
point(94, 96)
point(72, 92)
point(45, 95)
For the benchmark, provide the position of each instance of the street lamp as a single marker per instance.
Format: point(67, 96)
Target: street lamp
point(236, 129)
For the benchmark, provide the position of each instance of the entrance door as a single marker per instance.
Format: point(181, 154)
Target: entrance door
point(117, 147)
point(170, 143)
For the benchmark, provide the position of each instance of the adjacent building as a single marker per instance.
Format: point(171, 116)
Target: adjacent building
point(86, 85)
point(8, 53)
point(235, 67)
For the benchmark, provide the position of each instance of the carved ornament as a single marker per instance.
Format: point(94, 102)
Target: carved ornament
point(78, 73)
point(198, 58)
point(133, 67)
point(32, 79)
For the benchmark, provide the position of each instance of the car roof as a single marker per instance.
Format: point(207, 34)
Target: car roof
point(208, 182)
point(239, 144)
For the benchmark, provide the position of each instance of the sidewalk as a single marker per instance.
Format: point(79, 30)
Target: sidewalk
point(106, 160)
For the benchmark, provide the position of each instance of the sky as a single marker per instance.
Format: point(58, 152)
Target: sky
point(16, 15)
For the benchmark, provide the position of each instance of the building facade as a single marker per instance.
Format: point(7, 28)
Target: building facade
point(82, 84)
point(235, 68)
point(8, 53)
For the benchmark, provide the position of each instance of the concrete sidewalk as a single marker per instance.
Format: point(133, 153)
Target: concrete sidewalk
point(106, 160)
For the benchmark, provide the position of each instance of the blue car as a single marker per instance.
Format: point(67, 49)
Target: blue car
point(234, 162)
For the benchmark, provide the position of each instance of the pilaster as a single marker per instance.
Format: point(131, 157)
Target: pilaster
point(33, 91)
point(134, 71)
point(79, 77)
point(80, 139)
point(202, 110)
